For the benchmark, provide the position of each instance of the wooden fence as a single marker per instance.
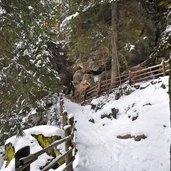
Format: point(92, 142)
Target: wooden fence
point(132, 77)
point(23, 158)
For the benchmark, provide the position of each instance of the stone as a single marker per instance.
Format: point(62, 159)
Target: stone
point(128, 92)
point(127, 136)
point(91, 120)
point(106, 116)
point(93, 106)
point(147, 104)
point(134, 118)
point(139, 137)
point(117, 96)
point(153, 82)
point(99, 106)
point(163, 86)
point(114, 112)
point(136, 86)
point(141, 88)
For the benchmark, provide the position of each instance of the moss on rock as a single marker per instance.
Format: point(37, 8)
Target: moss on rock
point(9, 153)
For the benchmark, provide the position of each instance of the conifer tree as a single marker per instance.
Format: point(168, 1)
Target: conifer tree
point(26, 74)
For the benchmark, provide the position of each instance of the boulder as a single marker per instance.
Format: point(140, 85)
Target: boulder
point(114, 112)
point(91, 120)
point(77, 77)
point(134, 118)
point(163, 86)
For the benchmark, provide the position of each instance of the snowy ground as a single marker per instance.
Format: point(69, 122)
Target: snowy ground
point(99, 149)
point(144, 112)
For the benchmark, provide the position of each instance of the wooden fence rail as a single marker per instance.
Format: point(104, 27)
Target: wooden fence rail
point(23, 158)
point(132, 77)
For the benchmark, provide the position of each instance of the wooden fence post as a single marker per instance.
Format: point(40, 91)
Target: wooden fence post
point(71, 122)
point(64, 118)
point(23, 152)
point(164, 67)
point(61, 104)
point(85, 95)
point(98, 87)
point(68, 145)
point(130, 78)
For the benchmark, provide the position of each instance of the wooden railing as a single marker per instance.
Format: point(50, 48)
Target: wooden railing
point(23, 158)
point(132, 77)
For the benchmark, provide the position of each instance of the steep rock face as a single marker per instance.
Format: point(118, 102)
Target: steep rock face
point(137, 34)
point(142, 35)
point(88, 76)
point(91, 69)
point(59, 61)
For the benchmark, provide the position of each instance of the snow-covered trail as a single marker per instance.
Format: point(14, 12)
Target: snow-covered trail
point(94, 149)
point(100, 150)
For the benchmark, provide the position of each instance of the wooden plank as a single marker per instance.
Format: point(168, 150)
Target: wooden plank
point(31, 157)
point(89, 92)
point(155, 66)
point(25, 165)
point(104, 81)
point(168, 70)
point(54, 162)
point(163, 67)
point(68, 165)
point(64, 118)
point(159, 74)
point(167, 66)
point(91, 88)
point(91, 95)
point(157, 70)
point(68, 144)
point(125, 75)
point(103, 89)
point(145, 73)
point(23, 152)
point(98, 88)
point(105, 85)
point(138, 80)
point(125, 79)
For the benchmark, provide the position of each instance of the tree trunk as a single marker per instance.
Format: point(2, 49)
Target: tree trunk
point(114, 60)
point(170, 94)
point(170, 87)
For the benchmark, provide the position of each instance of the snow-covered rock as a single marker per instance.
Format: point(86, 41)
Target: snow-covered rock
point(29, 139)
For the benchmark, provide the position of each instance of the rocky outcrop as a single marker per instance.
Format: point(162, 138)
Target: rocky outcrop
point(60, 62)
point(93, 70)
